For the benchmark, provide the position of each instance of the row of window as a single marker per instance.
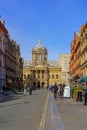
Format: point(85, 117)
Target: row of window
point(38, 76)
point(53, 76)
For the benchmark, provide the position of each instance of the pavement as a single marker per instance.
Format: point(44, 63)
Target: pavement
point(53, 118)
point(60, 114)
point(65, 114)
point(73, 114)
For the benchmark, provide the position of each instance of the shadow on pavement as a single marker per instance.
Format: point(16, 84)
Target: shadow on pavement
point(9, 98)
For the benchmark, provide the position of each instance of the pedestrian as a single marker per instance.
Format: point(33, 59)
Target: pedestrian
point(3, 88)
point(30, 89)
point(49, 87)
point(55, 90)
point(58, 89)
point(25, 89)
point(61, 90)
point(6, 88)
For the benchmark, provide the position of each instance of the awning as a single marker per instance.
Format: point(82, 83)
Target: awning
point(83, 79)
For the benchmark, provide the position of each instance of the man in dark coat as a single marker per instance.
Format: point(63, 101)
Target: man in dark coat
point(30, 89)
point(55, 90)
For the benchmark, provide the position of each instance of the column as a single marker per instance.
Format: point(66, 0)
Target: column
point(46, 74)
point(36, 74)
point(40, 74)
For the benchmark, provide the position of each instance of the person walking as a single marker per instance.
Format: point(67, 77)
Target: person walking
point(3, 89)
point(30, 89)
point(55, 90)
point(59, 90)
point(25, 89)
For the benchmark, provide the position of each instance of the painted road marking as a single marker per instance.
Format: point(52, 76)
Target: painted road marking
point(43, 119)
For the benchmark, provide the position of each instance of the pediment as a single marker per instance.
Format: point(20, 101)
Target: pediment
point(39, 66)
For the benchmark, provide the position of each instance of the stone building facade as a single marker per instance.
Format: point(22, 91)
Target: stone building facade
point(3, 39)
point(14, 63)
point(75, 59)
point(64, 61)
point(83, 43)
point(39, 72)
point(78, 60)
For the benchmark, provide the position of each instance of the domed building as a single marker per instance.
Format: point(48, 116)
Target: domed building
point(40, 72)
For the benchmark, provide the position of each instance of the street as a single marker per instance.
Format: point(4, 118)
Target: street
point(41, 112)
point(23, 112)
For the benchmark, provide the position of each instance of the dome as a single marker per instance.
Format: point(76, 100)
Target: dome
point(39, 45)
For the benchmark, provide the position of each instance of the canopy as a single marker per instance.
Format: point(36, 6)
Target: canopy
point(84, 79)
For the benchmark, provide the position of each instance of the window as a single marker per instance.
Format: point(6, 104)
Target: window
point(34, 76)
point(42, 76)
point(56, 76)
point(28, 76)
point(53, 76)
point(38, 76)
point(39, 57)
point(24, 76)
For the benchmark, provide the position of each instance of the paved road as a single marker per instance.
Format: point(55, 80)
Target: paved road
point(24, 113)
point(41, 112)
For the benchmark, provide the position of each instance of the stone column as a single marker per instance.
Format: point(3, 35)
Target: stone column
point(40, 74)
point(36, 74)
point(46, 74)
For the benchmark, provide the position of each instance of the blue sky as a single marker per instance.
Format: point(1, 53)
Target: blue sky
point(53, 21)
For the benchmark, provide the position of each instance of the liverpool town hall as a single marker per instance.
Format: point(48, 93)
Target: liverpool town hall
point(39, 71)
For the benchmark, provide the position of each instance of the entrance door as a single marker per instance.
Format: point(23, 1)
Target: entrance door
point(34, 85)
point(38, 85)
point(42, 84)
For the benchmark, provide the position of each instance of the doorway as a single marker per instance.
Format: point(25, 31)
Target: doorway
point(42, 84)
point(38, 85)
